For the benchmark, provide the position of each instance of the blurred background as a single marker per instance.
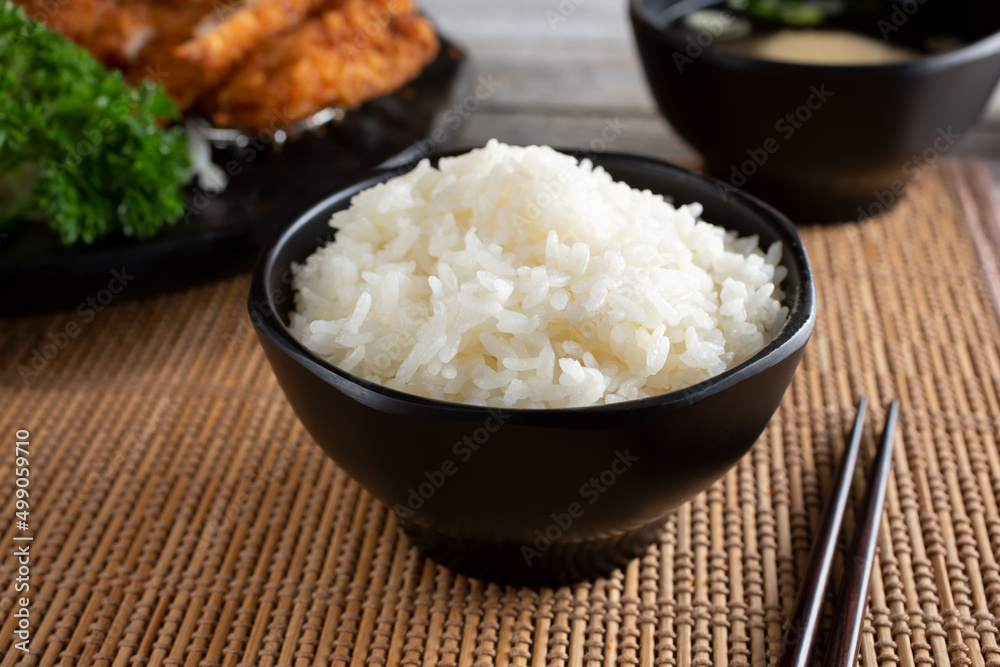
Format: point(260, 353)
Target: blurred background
point(566, 69)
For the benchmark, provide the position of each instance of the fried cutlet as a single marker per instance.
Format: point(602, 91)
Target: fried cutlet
point(341, 58)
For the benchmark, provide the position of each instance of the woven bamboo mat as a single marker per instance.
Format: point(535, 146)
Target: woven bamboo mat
point(181, 515)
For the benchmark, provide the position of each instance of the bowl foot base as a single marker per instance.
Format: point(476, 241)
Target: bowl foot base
point(830, 200)
point(533, 564)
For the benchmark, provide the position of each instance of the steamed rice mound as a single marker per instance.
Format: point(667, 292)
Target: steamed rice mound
point(519, 277)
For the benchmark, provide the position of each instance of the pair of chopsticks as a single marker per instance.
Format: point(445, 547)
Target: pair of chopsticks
point(842, 647)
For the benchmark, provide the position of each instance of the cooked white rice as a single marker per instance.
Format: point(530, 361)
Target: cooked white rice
point(519, 277)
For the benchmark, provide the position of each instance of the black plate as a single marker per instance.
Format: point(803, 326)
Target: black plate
point(221, 234)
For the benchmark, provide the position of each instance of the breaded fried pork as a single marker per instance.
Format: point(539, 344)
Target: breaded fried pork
point(341, 58)
point(245, 63)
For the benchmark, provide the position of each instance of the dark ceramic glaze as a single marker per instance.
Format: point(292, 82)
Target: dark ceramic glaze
point(844, 161)
point(508, 484)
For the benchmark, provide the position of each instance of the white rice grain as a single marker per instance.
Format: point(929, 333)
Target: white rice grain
point(520, 277)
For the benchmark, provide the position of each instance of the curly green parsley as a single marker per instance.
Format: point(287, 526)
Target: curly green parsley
point(78, 146)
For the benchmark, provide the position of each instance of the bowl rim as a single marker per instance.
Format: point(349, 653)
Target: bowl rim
point(791, 338)
point(925, 64)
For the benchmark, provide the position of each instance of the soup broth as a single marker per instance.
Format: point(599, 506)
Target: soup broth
point(819, 47)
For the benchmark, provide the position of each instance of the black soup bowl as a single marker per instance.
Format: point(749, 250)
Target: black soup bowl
point(822, 142)
point(529, 496)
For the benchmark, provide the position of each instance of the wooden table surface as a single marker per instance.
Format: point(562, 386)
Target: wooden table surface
point(561, 82)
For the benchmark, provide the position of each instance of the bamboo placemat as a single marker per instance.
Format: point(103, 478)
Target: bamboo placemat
point(181, 515)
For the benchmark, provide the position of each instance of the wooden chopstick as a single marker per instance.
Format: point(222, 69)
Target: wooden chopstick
point(842, 646)
point(800, 639)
